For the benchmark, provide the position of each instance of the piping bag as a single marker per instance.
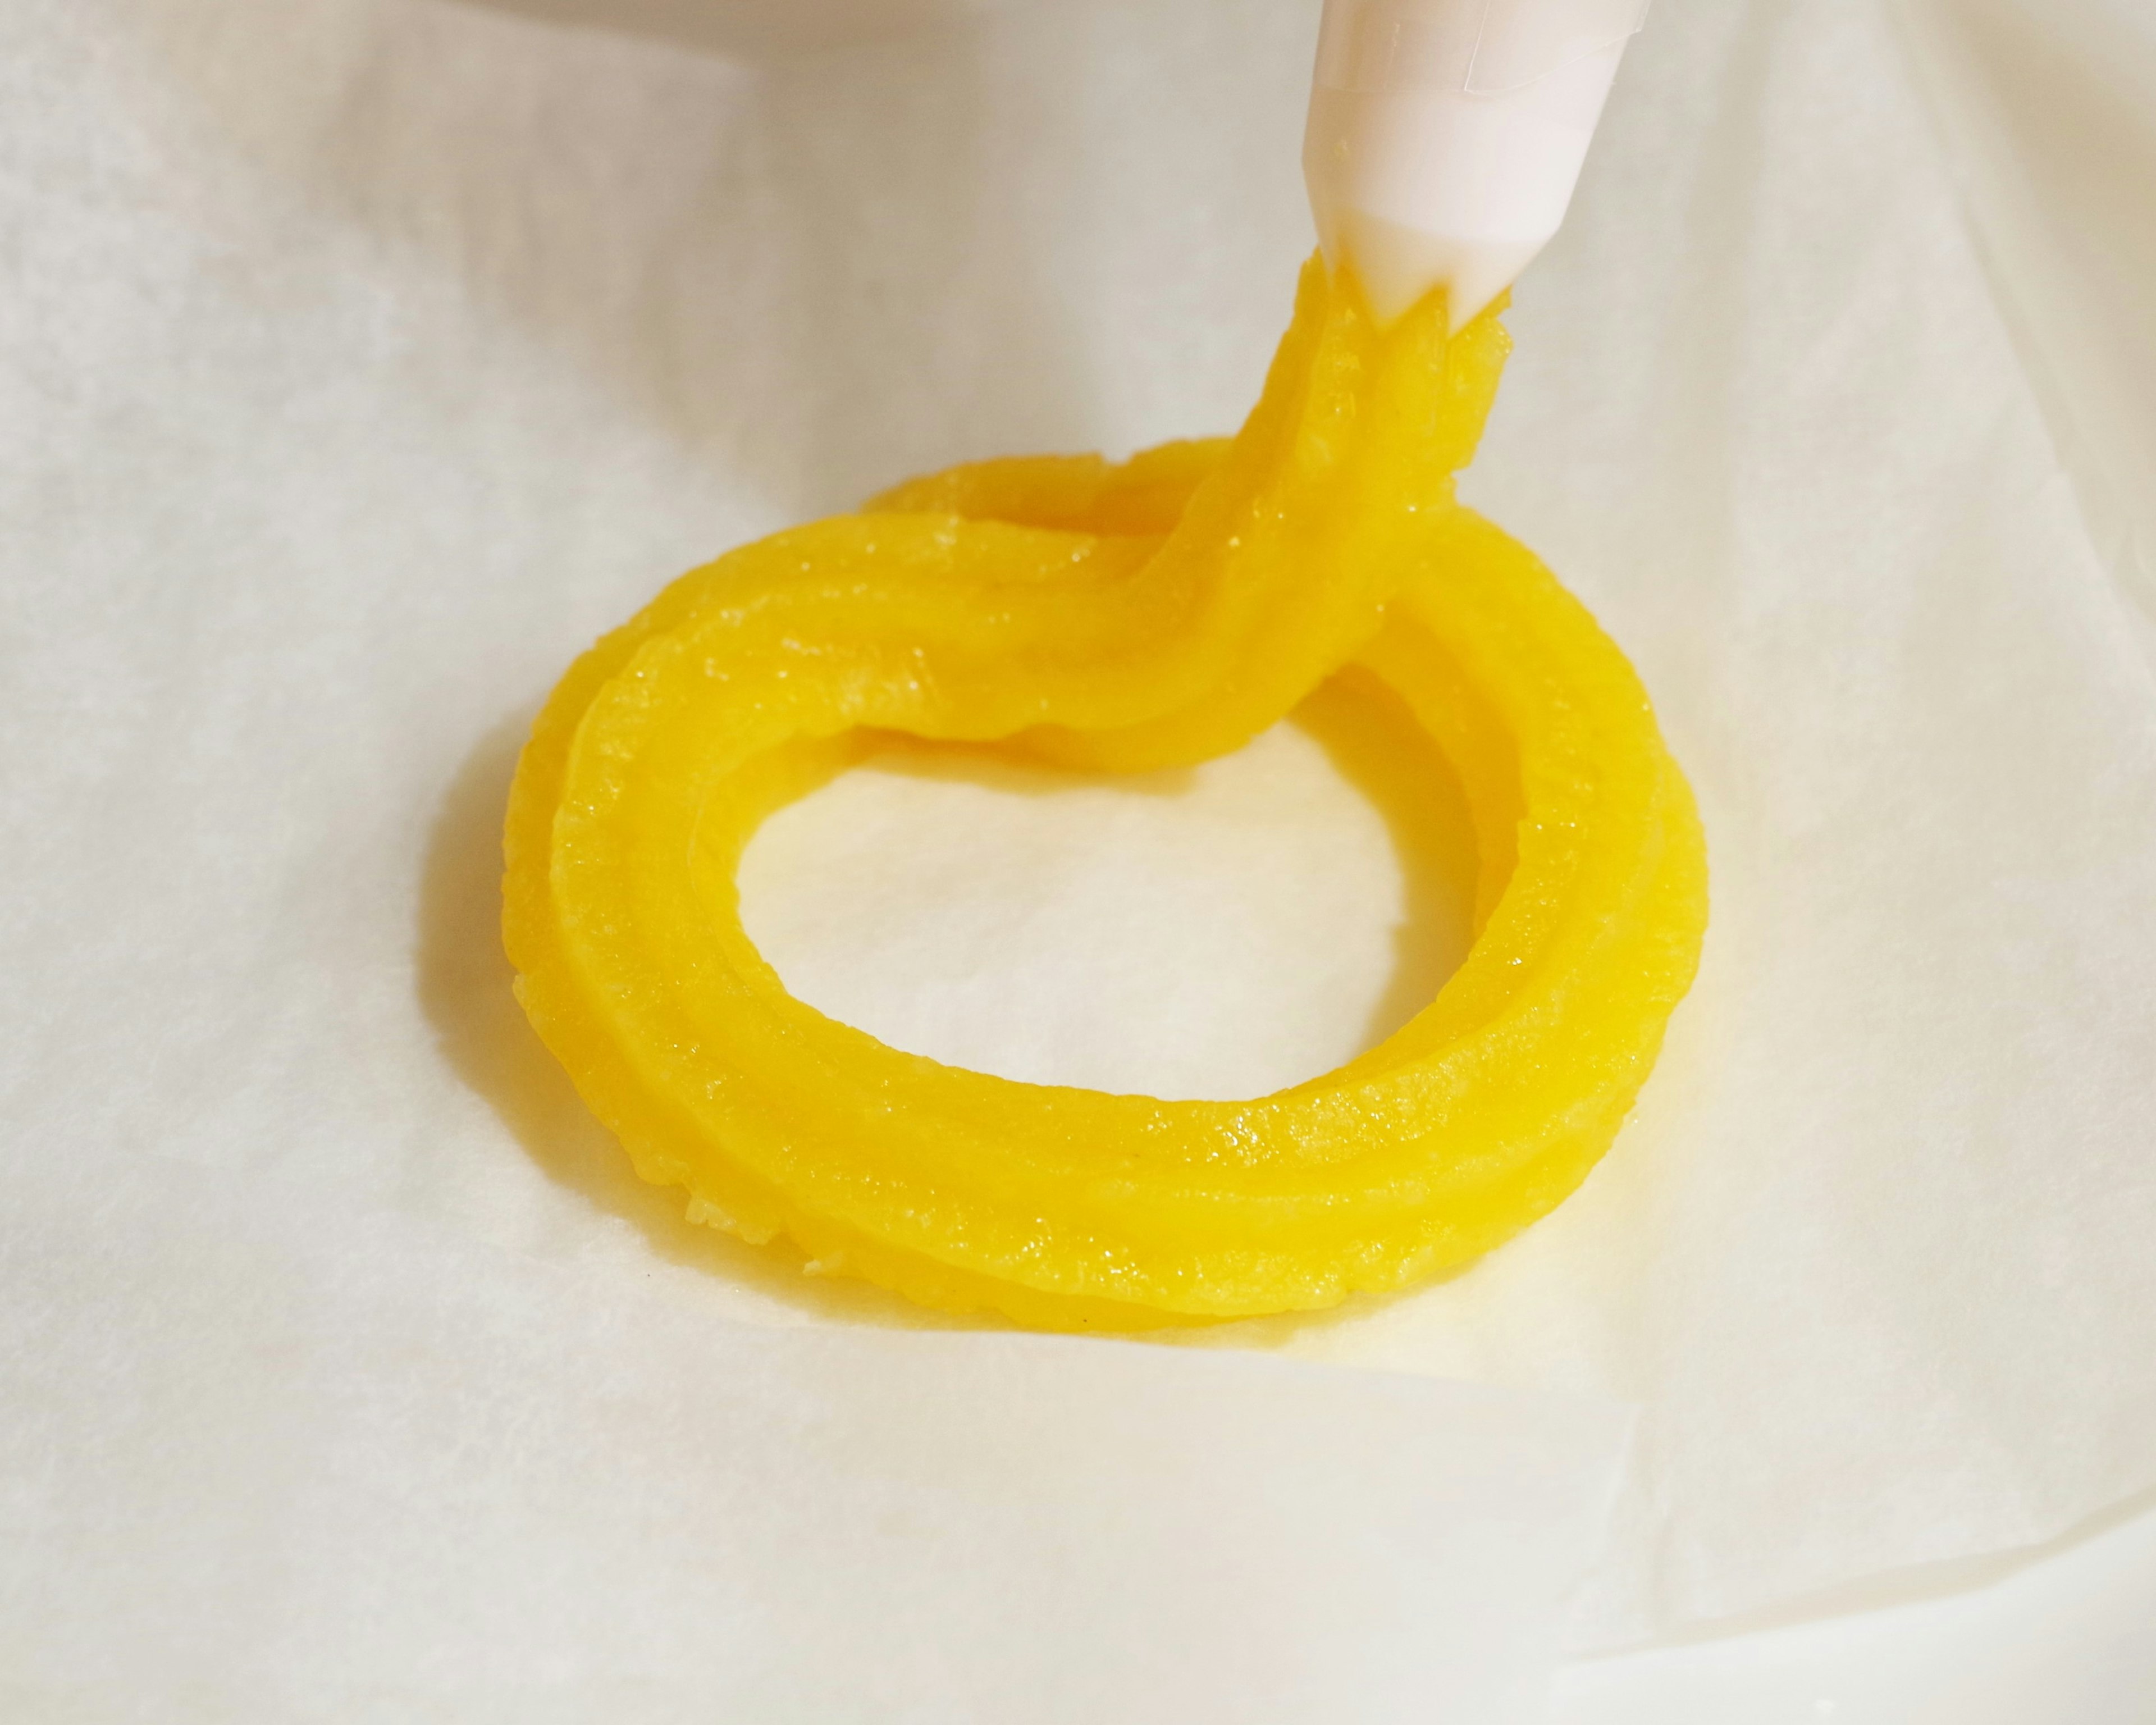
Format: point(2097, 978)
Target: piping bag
point(1445, 136)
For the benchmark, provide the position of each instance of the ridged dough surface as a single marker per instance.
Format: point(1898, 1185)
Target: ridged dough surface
point(1121, 618)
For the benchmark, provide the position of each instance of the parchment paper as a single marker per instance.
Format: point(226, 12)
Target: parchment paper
point(362, 360)
point(367, 357)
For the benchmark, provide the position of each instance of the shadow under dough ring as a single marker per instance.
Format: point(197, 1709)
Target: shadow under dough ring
point(1121, 618)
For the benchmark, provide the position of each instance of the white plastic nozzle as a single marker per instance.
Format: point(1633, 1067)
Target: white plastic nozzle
point(1446, 135)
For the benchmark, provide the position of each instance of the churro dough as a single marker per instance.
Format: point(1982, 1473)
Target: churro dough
point(1121, 618)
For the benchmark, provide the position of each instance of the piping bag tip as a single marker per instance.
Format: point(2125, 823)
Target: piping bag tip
point(1398, 266)
point(1445, 137)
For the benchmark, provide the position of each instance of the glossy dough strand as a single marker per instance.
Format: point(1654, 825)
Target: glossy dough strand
point(1121, 618)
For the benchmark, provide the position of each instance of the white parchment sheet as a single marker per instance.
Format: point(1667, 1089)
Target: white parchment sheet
point(364, 358)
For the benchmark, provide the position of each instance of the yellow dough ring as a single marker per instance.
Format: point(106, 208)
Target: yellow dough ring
point(1121, 618)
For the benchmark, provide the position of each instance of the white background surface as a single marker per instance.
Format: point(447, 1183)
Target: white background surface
point(2050, 112)
point(350, 308)
point(2068, 1639)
